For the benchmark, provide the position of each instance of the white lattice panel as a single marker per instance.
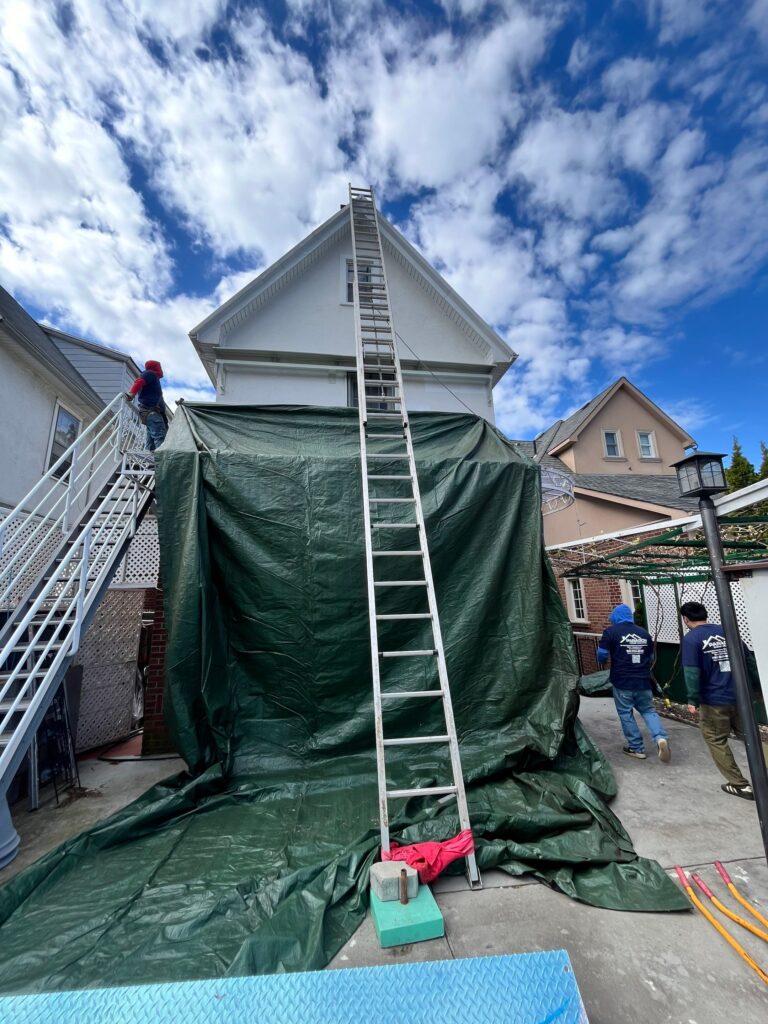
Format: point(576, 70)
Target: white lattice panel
point(663, 618)
point(141, 565)
point(18, 533)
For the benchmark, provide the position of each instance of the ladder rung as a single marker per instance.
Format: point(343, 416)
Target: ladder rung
point(412, 693)
point(394, 794)
point(408, 654)
point(409, 615)
point(394, 526)
point(383, 476)
point(389, 437)
point(376, 455)
point(397, 415)
point(411, 741)
point(400, 583)
point(395, 554)
point(392, 501)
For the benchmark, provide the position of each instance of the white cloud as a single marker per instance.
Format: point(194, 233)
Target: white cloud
point(630, 78)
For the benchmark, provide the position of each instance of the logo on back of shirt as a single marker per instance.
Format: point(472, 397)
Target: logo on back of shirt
point(717, 650)
point(634, 646)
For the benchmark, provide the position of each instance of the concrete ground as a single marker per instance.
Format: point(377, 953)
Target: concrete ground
point(665, 968)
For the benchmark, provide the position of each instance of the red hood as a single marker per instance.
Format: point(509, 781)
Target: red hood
point(154, 366)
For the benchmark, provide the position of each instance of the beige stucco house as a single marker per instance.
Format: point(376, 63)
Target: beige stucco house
point(618, 450)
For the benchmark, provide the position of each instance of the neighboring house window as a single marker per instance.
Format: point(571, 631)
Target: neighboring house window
point(646, 443)
point(371, 390)
point(612, 444)
point(631, 592)
point(577, 604)
point(66, 427)
point(349, 278)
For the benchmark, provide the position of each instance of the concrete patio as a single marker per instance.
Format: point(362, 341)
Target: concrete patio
point(666, 968)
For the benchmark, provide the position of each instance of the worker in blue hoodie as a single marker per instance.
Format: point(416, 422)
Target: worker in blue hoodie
point(630, 649)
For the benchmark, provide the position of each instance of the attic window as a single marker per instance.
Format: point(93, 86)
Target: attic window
point(612, 444)
point(349, 279)
point(646, 444)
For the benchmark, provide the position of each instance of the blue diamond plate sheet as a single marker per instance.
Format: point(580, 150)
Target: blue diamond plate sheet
point(529, 988)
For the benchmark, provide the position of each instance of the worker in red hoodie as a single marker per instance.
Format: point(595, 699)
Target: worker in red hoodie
point(151, 405)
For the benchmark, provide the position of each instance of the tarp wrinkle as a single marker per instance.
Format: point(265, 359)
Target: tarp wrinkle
point(257, 860)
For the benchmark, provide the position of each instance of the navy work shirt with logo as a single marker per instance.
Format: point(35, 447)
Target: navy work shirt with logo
point(631, 651)
point(706, 662)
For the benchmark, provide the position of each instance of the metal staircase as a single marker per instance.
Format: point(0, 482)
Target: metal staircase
point(58, 551)
point(390, 495)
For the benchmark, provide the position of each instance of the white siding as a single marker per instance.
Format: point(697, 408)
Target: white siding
point(26, 421)
point(104, 373)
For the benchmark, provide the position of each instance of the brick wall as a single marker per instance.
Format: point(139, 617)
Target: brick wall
point(156, 737)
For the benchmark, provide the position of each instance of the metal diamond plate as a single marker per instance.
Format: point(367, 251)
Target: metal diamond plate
point(530, 988)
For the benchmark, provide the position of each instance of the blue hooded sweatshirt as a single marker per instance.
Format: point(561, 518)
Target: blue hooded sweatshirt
point(630, 649)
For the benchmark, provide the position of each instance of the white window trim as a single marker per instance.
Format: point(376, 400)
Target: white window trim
point(343, 261)
point(52, 434)
point(610, 430)
point(654, 450)
point(570, 602)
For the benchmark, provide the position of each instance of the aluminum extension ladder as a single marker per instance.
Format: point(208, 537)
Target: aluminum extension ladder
point(381, 404)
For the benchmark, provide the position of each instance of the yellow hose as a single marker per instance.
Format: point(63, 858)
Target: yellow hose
point(718, 927)
point(728, 912)
point(737, 895)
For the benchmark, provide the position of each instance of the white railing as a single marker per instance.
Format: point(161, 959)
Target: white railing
point(62, 543)
point(33, 531)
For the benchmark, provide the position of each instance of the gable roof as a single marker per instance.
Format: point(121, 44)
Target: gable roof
point(493, 349)
point(28, 333)
point(567, 431)
point(91, 346)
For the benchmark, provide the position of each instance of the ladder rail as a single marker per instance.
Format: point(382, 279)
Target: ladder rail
point(377, 300)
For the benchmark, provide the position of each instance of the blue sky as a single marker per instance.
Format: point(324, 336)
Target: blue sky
point(592, 177)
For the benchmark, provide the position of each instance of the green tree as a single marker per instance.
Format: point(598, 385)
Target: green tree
point(763, 471)
point(741, 472)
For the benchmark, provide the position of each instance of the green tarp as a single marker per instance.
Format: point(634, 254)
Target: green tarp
point(257, 861)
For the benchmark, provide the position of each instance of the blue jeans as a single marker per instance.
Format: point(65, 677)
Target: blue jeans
point(156, 430)
point(626, 702)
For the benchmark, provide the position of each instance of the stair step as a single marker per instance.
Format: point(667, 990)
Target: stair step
point(6, 705)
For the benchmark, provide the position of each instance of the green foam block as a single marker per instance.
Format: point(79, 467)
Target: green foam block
point(419, 919)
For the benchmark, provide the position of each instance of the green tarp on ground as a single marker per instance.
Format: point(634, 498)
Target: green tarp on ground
point(257, 861)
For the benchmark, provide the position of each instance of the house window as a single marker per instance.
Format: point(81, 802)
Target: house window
point(577, 604)
point(66, 427)
point(612, 444)
point(349, 279)
point(646, 444)
point(371, 390)
point(631, 592)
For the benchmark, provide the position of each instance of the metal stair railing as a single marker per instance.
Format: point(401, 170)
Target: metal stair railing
point(60, 548)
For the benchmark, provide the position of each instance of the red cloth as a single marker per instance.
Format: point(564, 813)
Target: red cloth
point(430, 859)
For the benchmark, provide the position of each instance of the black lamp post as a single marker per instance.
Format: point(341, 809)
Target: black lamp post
point(700, 475)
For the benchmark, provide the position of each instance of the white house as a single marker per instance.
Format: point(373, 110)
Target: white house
point(288, 337)
point(45, 402)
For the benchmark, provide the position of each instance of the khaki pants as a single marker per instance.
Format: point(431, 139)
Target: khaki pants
point(717, 721)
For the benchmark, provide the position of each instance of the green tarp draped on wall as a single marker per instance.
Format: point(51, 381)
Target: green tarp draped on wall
point(258, 860)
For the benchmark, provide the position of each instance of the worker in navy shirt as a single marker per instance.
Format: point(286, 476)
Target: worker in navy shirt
point(630, 649)
point(151, 403)
point(707, 671)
